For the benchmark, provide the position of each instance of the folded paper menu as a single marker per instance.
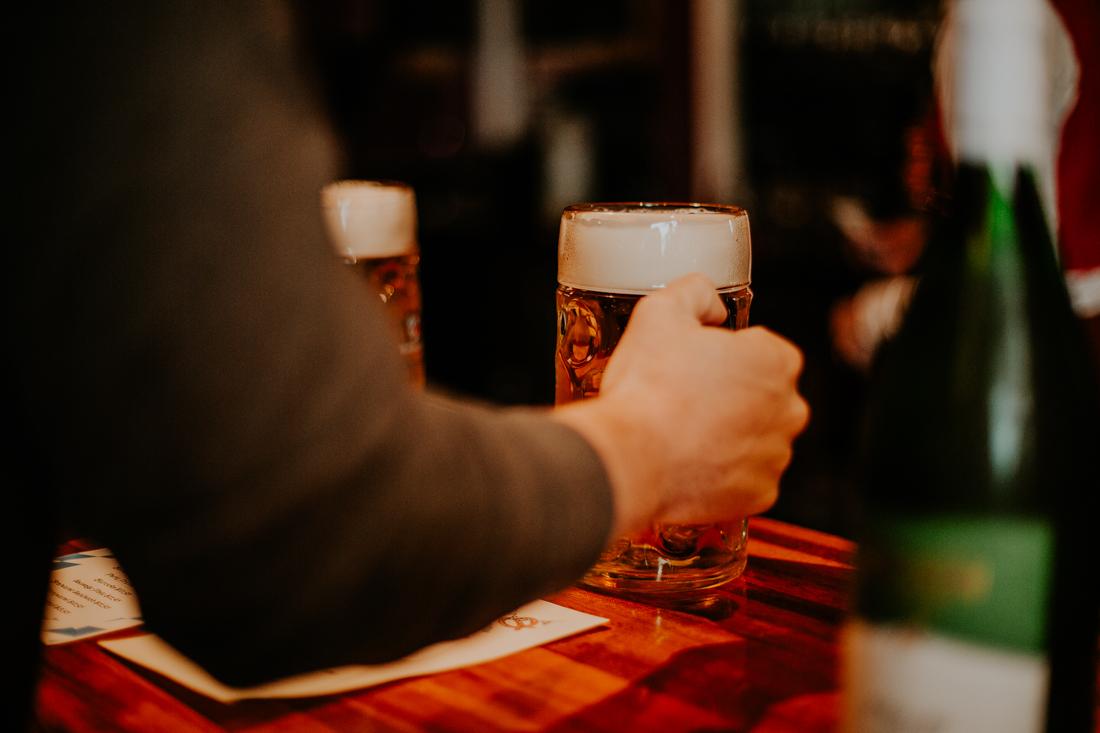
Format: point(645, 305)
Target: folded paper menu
point(536, 623)
point(89, 595)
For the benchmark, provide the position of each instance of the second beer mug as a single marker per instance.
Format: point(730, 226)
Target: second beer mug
point(609, 257)
point(372, 225)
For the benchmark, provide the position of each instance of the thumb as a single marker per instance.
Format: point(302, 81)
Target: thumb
point(696, 296)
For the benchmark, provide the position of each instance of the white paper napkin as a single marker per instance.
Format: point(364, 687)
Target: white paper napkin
point(89, 595)
point(532, 625)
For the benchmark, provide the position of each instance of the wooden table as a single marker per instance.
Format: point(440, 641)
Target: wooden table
point(760, 654)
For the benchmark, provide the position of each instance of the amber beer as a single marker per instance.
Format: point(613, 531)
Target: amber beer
point(372, 225)
point(609, 257)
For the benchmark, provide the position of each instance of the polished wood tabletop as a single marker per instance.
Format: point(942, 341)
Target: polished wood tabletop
point(759, 654)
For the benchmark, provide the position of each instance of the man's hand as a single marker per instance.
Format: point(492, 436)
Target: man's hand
point(694, 422)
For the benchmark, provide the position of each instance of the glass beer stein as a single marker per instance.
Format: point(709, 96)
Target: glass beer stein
point(372, 225)
point(609, 257)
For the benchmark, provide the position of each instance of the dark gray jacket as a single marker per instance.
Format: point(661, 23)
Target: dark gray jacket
point(198, 383)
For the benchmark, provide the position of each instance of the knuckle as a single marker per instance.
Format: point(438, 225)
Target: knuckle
point(788, 356)
point(753, 343)
point(647, 304)
point(700, 281)
point(784, 457)
point(690, 280)
point(758, 333)
point(802, 414)
point(793, 359)
point(766, 496)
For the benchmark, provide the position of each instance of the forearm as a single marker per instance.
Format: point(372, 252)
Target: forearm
point(459, 516)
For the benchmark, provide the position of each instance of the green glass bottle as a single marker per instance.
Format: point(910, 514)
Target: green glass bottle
point(977, 597)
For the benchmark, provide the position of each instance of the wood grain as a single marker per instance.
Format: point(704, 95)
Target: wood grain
point(759, 654)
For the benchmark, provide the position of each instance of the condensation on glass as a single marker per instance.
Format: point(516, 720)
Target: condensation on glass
point(609, 257)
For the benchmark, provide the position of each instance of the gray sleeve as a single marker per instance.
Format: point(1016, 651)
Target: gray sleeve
point(221, 402)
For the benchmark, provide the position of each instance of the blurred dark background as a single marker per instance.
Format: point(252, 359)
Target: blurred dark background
point(500, 113)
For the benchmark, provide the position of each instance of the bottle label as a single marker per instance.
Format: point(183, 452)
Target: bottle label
point(953, 626)
point(901, 680)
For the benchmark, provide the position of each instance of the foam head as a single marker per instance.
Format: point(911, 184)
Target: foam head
point(370, 218)
point(637, 248)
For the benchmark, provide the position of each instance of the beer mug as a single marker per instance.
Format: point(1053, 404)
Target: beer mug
point(372, 225)
point(609, 257)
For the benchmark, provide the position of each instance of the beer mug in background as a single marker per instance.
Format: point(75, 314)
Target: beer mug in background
point(609, 257)
point(372, 225)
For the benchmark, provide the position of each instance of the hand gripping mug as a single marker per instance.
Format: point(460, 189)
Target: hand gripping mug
point(609, 257)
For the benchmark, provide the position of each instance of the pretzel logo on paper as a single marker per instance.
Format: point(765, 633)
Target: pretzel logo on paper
point(519, 623)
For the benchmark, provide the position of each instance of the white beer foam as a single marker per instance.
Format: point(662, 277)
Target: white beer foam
point(637, 251)
point(370, 218)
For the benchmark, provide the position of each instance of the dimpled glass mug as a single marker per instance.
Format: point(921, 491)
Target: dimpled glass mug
point(609, 257)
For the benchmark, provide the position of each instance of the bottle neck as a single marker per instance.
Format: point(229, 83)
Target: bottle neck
point(998, 114)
